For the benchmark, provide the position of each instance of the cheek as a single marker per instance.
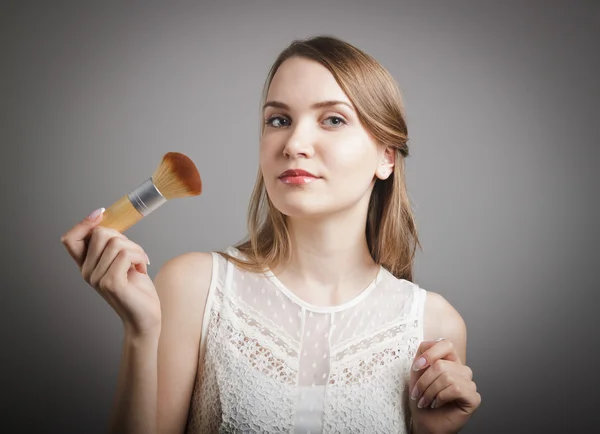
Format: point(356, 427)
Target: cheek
point(353, 155)
point(266, 152)
point(267, 159)
point(271, 142)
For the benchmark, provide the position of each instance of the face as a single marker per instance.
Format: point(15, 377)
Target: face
point(311, 125)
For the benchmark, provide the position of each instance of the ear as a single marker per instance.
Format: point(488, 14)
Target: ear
point(386, 164)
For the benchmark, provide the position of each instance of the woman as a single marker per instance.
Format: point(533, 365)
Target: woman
point(312, 324)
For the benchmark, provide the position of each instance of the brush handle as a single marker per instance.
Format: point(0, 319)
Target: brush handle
point(133, 207)
point(121, 215)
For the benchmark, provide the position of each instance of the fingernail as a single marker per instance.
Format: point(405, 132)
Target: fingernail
point(419, 363)
point(422, 403)
point(434, 403)
point(95, 214)
point(415, 393)
point(439, 339)
point(147, 259)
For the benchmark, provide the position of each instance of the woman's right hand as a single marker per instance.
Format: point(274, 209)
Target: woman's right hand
point(116, 268)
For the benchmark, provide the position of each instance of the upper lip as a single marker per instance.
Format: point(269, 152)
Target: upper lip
point(297, 172)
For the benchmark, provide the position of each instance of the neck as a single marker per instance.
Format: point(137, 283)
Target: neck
point(330, 257)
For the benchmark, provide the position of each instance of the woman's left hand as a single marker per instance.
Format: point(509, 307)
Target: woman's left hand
point(443, 394)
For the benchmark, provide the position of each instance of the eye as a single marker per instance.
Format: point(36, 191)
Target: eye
point(277, 122)
point(336, 121)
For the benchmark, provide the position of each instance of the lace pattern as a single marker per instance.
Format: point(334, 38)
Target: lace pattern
point(273, 365)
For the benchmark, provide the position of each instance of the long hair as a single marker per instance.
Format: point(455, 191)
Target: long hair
point(390, 230)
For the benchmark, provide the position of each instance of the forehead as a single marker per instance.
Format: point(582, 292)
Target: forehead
point(300, 81)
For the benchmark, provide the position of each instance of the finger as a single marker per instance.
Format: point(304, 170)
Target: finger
point(116, 277)
point(424, 347)
point(463, 393)
point(467, 372)
point(98, 240)
point(441, 349)
point(427, 378)
point(437, 378)
point(74, 239)
point(113, 248)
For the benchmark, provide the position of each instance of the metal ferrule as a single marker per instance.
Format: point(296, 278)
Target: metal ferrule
point(146, 198)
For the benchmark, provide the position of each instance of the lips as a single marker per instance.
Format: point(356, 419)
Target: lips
point(297, 177)
point(297, 172)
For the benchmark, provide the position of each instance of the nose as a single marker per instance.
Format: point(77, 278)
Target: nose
point(299, 142)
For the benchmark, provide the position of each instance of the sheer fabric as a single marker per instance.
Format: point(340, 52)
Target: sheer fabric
point(272, 363)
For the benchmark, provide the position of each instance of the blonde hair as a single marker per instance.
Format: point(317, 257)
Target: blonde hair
point(391, 230)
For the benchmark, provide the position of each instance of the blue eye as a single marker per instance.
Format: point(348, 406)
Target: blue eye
point(277, 122)
point(338, 121)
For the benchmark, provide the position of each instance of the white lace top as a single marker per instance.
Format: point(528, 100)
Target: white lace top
point(273, 363)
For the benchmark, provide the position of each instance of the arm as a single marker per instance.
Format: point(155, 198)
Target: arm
point(443, 394)
point(157, 371)
point(442, 320)
point(183, 288)
point(135, 401)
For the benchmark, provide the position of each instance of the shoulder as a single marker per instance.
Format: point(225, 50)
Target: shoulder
point(441, 319)
point(183, 283)
point(188, 260)
point(193, 268)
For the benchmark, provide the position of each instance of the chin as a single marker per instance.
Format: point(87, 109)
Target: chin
point(298, 207)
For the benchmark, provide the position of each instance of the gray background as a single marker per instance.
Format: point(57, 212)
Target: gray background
point(502, 106)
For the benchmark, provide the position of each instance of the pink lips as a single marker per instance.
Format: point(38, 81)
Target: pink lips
point(297, 176)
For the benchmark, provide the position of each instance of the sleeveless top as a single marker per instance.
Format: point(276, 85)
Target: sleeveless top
point(269, 362)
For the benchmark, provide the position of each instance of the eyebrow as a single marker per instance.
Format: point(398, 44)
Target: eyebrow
point(317, 105)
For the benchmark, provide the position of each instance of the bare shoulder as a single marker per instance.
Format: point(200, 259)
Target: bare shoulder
point(191, 267)
point(182, 285)
point(441, 319)
point(188, 274)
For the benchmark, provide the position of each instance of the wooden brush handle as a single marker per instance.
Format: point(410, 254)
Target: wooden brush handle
point(121, 215)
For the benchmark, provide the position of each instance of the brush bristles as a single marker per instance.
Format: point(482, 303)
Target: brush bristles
point(177, 176)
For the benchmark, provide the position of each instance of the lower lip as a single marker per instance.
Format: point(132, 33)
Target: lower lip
point(298, 179)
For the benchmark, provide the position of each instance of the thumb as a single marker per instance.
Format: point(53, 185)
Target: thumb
point(416, 374)
point(75, 240)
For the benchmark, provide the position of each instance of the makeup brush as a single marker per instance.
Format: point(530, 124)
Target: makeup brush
point(175, 177)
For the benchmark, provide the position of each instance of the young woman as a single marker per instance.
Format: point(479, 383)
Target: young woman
point(312, 324)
